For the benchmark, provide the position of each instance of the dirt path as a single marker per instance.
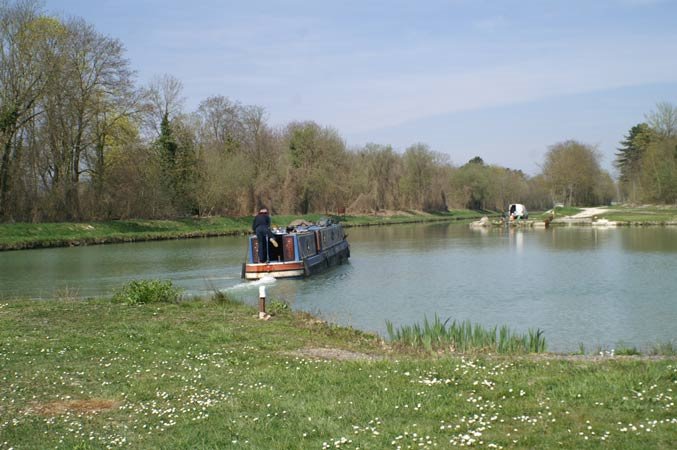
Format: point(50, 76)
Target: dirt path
point(590, 212)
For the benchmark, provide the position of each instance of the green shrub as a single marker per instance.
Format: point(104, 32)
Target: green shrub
point(148, 291)
point(624, 350)
point(278, 307)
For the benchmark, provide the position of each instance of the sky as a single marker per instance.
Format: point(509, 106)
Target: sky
point(502, 80)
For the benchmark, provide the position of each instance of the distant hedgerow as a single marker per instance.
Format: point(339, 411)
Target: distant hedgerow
point(148, 291)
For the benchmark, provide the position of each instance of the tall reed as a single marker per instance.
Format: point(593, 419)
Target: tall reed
point(465, 336)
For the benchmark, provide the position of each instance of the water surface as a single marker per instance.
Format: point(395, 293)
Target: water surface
point(599, 287)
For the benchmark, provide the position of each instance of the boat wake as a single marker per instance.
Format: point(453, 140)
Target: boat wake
point(249, 284)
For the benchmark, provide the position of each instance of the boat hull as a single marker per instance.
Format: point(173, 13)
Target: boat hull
point(327, 258)
point(275, 269)
point(332, 256)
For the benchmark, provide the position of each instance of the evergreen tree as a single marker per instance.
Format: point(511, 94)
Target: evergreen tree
point(629, 157)
point(167, 145)
point(179, 166)
point(630, 152)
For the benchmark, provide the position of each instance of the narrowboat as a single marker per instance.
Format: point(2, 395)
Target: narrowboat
point(302, 249)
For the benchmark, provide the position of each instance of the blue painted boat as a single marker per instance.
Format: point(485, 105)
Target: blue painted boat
point(302, 250)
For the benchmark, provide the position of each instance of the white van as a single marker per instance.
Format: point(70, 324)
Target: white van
point(517, 211)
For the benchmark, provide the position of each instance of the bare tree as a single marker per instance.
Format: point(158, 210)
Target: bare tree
point(164, 98)
point(664, 120)
point(221, 124)
point(91, 93)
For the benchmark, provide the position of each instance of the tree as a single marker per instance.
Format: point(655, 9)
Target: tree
point(27, 41)
point(134, 182)
point(538, 195)
point(664, 120)
point(659, 171)
point(629, 157)
point(114, 129)
point(382, 173)
point(164, 97)
point(572, 172)
point(317, 164)
point(241, 134)
point(167, 147)
point(506, 186)
point(417, 176)
point(263, 157)
point(471, 182)
point(221, 124)
point(93, 81)
point(176, 149)
point(174, 137)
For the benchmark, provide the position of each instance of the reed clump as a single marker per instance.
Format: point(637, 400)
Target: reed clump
point(465, 337)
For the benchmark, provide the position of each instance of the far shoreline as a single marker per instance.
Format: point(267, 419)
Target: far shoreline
point(27, 236)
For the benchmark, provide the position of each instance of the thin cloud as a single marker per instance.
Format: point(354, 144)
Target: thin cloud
point(490, 24)
point(386, 99)
point(641, 3)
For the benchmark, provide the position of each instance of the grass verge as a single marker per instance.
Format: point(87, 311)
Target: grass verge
point(642, 215)
point(208, 374)
point(556, 212)
point(15, 236)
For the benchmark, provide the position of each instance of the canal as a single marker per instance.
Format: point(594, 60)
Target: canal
point(602, 288)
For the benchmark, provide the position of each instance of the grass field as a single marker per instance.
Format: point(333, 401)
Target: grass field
point(25, 235)
point(208, 374)
point(639, 215)
point(623, 214)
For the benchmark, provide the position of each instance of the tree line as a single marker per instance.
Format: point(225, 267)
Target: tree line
point(79, 140)
point(647, 158)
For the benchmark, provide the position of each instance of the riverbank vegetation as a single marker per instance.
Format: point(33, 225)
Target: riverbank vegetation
point(81, 141)
point(436, 335)
point(207, 373)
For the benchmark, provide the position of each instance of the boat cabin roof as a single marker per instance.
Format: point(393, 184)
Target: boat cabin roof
point(302, 226)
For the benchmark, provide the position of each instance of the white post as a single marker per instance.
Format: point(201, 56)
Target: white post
point(262, 303)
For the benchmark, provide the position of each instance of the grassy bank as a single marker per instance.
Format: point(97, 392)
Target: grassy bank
point(207, 374)
point(23, 235)
point(642, 215)
point(621, 214)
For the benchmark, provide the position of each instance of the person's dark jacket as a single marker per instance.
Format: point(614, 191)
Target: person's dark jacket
point(261, 220)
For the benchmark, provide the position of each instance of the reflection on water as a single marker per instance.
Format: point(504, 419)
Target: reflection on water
point(581, 285)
